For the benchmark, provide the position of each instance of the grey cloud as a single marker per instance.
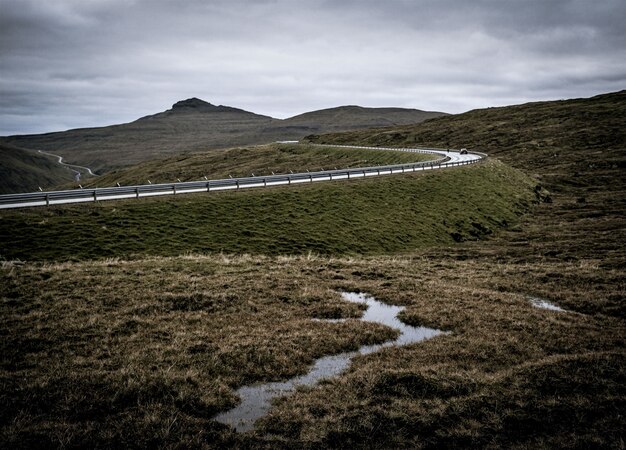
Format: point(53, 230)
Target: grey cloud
point(75, 63)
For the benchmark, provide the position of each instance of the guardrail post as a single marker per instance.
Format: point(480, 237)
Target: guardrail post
point(265, 182)
point(137, 192)
point(174, 187)
point(208, 186)
point(237, 182)
point(47, 199)
point(311, 177)
point(95, 196)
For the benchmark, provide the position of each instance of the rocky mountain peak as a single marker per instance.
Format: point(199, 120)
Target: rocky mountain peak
point(193, 103)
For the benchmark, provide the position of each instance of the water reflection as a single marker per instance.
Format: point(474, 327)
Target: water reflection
point(256, 399)
point(544, 304)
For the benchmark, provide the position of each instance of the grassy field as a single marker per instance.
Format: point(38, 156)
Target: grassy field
point(143, 338)
point(142, 353)
point(576, 149)
point(242, 162)
point(394, 214)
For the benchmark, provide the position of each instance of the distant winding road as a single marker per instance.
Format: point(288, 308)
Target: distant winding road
point(445, 159)
point(77, 173)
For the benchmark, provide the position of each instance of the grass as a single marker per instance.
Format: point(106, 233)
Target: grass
point(395, 214)
point(242, 162)
point(576, 149)
point(140, 351)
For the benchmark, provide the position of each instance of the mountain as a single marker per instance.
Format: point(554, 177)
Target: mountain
point(194, 125)
point(190, 125)
point(343, 117)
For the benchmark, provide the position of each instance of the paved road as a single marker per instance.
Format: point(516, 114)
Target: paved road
point(77, 173)
point(446, 158)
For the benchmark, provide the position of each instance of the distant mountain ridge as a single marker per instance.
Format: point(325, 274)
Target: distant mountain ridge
point(193, 125)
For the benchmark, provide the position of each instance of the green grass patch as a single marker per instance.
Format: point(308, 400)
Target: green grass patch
point(245, 161)
point(390, 214)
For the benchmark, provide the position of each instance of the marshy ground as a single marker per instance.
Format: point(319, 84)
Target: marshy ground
point(145, 352)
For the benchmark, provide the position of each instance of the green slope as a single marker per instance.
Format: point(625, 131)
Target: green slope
point(575, 148)
point(394, 214)
point(244, 161)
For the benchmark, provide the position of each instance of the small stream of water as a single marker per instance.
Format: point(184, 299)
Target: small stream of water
point(256, 400)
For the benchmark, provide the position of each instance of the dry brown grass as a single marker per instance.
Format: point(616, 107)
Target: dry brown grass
point(142, 353)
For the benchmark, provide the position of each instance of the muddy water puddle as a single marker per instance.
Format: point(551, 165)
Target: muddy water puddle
point(256, 399)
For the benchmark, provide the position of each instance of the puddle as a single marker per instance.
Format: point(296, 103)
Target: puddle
point(256, 400)
point(544, 304)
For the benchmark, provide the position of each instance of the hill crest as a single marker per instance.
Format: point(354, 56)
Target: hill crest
point(195, 104)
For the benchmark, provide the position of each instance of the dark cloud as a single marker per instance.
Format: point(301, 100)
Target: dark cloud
point(75, 63)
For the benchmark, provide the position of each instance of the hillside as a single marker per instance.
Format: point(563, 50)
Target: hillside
point(244, 161)
point(26, 170)
point(194, 125)
point(575, 148)
point(393, 214)
point(532, 136)
point(354, 117)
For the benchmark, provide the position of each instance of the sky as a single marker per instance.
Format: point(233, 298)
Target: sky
point(80, 63)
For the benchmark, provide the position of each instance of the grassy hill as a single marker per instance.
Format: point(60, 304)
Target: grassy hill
point(356, 117)
point(26, 170)
point(194, 125)
point(542, 137)
point(394, 214)
point(576, 149)
point(244, 161)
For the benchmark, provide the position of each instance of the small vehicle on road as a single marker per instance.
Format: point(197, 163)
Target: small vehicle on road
point(463, 151)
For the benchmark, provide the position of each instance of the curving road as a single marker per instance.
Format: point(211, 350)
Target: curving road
point(77, 173)
point(446, 158)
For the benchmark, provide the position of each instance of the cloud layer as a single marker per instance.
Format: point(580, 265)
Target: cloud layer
point(76, 63)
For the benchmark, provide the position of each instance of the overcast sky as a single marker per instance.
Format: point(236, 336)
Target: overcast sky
point(77, 63)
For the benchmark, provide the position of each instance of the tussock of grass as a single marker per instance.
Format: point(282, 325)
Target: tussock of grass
point(394, 214)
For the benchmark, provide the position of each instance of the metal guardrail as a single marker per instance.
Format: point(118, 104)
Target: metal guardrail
point(149, 190)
